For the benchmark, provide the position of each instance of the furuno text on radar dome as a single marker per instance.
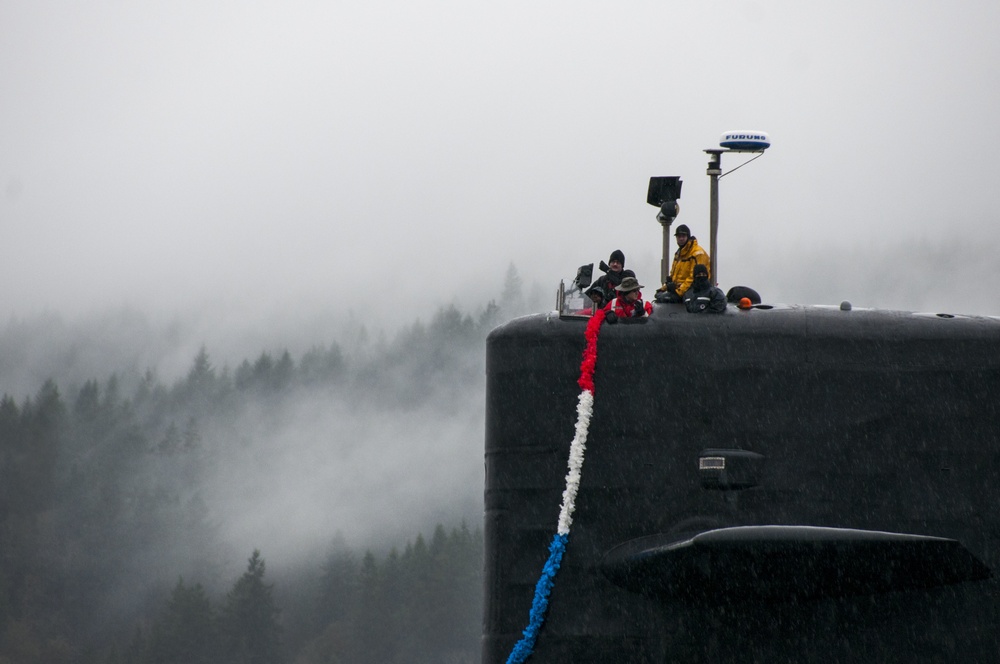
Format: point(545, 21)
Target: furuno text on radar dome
point(745, 140)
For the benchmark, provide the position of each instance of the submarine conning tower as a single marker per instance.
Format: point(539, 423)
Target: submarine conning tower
point(781, 483)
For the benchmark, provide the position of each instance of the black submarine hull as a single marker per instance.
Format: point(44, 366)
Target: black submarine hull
point(780, 484)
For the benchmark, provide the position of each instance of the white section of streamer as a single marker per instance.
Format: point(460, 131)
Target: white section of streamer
point(584, 410)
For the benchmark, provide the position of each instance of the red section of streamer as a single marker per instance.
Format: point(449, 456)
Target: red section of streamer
point(586, 381)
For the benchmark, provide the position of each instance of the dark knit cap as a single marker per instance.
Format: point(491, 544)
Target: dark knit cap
point(700, 269)
point(683, 229)
point(617, 255)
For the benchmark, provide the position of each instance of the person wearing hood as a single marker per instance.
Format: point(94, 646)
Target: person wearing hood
point(597, 295)
point(688, 255)
point(629, 302)
point(608, 282)
point(703, 297)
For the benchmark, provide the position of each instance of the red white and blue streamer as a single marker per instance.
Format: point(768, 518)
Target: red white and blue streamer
point(584, 410)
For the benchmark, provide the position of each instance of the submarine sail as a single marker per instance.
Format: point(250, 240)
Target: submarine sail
point(777, 483)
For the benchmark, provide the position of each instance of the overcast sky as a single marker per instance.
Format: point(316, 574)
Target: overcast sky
point(264, 158)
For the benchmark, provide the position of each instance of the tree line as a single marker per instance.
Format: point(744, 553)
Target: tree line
point(110, 553)
point(421, 605)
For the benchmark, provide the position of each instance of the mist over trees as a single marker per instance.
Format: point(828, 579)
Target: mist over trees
point(249, 513)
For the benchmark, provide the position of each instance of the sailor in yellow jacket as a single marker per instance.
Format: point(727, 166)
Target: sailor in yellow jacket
point(688, 255)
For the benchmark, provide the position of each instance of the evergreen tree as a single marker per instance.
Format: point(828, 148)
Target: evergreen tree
point(202, 388)
point(374, 643)
point(136, 651)
point(88, 402)
point(243, 378)
point(490, 317)
point(10, 445)
point(512, 296)
point(322, 364)
point(111, 396)
point(202, 373)
point(418, 602)
point(186, 633)
point(440, 591)
point(463, 566)
point(192, 439)
point(45, 421)
point(262, 369)
point(10, 560)
point(250, 630)
point(282, 373)
point(338, 584)
point(146, 387)
point(171, 441)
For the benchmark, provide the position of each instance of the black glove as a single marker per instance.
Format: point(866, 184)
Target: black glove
point(672, 287)
point(639, 311)
point(611, 318)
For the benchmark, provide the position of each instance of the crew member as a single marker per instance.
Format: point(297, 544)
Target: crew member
point(597, 295)
point(609, 281)
point(629, 302)
point(703, 297)
point(688, 255)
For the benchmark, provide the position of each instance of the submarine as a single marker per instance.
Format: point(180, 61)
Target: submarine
point(775, 483)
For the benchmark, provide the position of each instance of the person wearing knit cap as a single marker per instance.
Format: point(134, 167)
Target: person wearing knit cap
point(615, 273)
point(702, 296)
point(688, 255)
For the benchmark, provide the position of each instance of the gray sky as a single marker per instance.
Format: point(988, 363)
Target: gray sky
point(260, 157)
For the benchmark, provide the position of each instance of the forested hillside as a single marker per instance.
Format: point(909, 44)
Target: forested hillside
point(321, 508)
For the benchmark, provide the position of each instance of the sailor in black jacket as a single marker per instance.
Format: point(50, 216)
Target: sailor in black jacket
point(702, 296)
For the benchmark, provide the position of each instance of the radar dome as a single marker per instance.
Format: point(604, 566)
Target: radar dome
point(745, 140)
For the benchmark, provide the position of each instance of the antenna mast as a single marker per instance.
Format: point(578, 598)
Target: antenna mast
point(732, 141)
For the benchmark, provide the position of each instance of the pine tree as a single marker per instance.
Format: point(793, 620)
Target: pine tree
point(87, 402)
point(192, 438)
point(250, 630)
point(512, 296)
point(186, 634)
point(10, 446)
point(489, 317)
point(203, 388)
point(322, 364)
point(339, 583)
point(202, 373)
point(374, 644)
point(282, 373)
point(418, 602)
point(464, 562)
point(45, 421)
point(263, 368)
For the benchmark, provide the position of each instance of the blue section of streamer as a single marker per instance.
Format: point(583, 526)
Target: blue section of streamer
point(523, 649)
